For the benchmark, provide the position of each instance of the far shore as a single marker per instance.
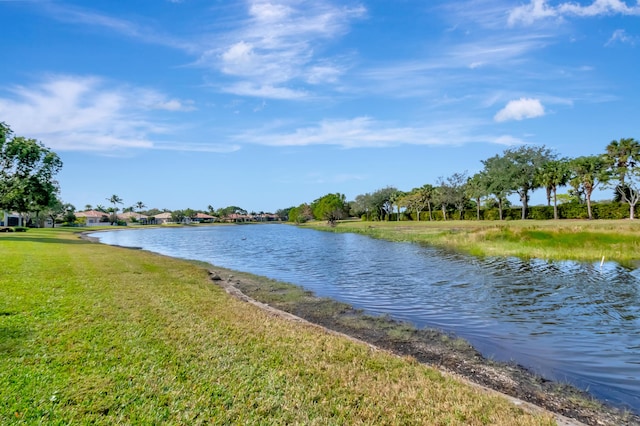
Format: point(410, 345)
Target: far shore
point(580, 240)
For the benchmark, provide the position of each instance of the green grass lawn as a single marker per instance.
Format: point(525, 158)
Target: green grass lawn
point(106, 335)
point(617, 240)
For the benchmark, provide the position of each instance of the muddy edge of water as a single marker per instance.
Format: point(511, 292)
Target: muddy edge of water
point(440, 350)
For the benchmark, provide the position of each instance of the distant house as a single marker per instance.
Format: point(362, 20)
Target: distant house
point(162, 218)
point(236, 217)
point(10, 219)
point(266, 217)
point(203, 218)
point(132, 216)
point(93, 217)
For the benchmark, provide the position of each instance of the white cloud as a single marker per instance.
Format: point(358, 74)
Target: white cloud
point(94, 20)
point(365, 132)
point(84, 114)
point(247, 88)
point(621, 36)
point(520, 109)
point(278, 44)
point(540, 9)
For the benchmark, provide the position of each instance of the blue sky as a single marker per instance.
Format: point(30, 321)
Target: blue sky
point(268, 104)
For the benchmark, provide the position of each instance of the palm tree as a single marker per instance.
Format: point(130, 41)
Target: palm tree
point(88, 207)
point(115, 200)
point(623, 157)
point(140, 205)
point(551, 175)
point(588, 172)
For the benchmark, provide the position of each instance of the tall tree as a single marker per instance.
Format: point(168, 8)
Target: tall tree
point(27, 172)
point(331, 207)
point(381, 201)
point(476, 189)
point(551, 175)
point(115, 200)
point(395, 200)
point(521, 168)
point(140, 205)
point(496, 175)
point(441, 197)
point(363, 205)
point(587, 173)
point(418, 199)
point(624, 163)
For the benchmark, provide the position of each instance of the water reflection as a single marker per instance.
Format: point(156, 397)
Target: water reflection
point(569, 321)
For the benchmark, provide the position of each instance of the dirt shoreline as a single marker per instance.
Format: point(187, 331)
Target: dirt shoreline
point(439, 350)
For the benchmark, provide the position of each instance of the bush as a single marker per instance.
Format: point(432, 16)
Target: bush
point(20, 229)
point(611, 210)
point(541, 212)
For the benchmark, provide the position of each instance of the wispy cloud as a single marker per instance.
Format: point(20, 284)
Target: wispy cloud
point(117, 25)
point(540, 9)
point(88, 114)
point(621, 36)
point(520, 109)
point(277, 44)
point(365, 132)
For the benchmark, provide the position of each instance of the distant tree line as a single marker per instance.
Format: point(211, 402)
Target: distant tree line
point(517, 171)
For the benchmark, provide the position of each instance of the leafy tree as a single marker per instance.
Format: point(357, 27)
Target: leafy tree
point(550, 175)
point(27, 171)
point(68, 213)
point(177, 216)
point(418, 199)
point(521, 169)
point(190, 213)
point(283, 214)
point(623, 157)
point(381, 201)
point(331, 207)
point(587, 173)
point(301, 214)
point(115, 200)
point(363, 205)
point(452, 192)
point(497, 181)
point(226, 211)
point(55, 210)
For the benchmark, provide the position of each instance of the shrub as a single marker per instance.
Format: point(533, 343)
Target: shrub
point(541, 212)
point(20, 229)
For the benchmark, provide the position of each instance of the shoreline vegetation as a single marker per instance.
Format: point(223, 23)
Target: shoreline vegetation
point(101, 334)
point(579, 240)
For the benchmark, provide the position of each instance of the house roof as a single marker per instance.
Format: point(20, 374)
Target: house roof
point(91, 213)
point(129, 215)
point(165, 215)
point(204, 216)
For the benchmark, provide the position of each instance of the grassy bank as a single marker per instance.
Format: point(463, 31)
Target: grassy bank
point(97, 334)
point(617, 240)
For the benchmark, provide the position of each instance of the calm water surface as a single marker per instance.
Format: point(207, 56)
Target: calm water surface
point(568, 321)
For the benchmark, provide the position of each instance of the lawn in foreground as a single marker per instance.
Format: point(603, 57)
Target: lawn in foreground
point(97, 334)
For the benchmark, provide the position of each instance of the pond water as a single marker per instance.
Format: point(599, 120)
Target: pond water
point(567, 321)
